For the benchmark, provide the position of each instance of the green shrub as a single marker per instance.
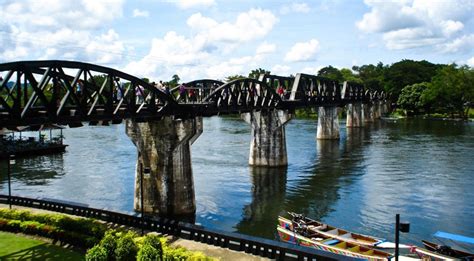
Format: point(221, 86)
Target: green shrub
point(30, 227)
point(151, 249)
point(126, 247)
point(109, 243)
point(14, 225)
point(97, 253)
point(149, 253)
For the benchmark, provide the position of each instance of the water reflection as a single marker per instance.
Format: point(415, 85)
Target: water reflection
point(34, 171)
point(268, 196)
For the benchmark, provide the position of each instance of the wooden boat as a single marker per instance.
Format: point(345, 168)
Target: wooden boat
point(299, 222)
point(332, 245)
point(426, 254)
point(446, 250)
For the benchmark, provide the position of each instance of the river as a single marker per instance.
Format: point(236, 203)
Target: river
point(422, 169)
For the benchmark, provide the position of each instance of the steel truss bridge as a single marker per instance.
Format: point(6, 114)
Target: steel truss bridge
point(35, 93)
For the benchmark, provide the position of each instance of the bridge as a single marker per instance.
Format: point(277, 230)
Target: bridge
point(163, 126)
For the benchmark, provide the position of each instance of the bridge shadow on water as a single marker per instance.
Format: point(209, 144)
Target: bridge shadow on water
point(314, 191)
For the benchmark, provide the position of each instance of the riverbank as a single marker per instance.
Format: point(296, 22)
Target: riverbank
point(208, 250)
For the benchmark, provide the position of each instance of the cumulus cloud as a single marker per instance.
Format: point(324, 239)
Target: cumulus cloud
point(419, 23)
point(140, 13)
point(185, 4)
point(470, 62)
point(265, 48)
point(57, 29)
point(304, 51)
point(248, 26)
point(279, 69)
point(295, 8)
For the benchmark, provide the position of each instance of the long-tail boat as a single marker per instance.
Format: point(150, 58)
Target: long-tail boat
point(302, 223)
point(332, 245)
point(447, 251)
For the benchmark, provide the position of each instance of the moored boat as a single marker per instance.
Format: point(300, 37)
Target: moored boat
point(302, 223)
point(332, 245)
point(447, 251)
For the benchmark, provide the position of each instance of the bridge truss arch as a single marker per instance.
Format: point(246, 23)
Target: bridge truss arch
point(242, 95)
point(67, 92)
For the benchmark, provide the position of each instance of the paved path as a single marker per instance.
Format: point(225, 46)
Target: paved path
point(209, 250)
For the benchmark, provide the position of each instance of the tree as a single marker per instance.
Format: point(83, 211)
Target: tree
point(452, 90)
point(348, 75)
point(174, 81)
point(372, 76)
point(331, 73)
point(407, 72)
point(234, 77)
point(410, 98)
point(257, 72)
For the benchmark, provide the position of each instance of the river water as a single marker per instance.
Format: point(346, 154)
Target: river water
point(422, 169)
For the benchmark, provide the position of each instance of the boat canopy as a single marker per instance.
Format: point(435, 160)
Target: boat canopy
point(456, 237)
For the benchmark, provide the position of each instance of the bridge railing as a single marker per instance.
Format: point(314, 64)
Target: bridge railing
point(234, 241)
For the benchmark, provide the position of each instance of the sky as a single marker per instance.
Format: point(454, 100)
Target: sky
point(199, 39)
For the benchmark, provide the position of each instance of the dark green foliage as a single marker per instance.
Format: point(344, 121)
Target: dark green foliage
point(331, 73)
point(372, 76)
point(452, 90)
point(257, 72)
point(97, 253)
point(407, 72)
point(126, 248)
point(234, 77)
point(109, 243)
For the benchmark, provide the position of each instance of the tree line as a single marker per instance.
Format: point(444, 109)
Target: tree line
point(416, 87)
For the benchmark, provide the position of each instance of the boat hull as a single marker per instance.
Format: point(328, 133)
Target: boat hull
point(294, 238)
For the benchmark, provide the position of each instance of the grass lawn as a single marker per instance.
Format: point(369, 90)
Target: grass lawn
point(18, 247)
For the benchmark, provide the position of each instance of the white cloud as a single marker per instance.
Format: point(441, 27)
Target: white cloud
point(303, 51)
point(265, 48)
point(248, 26)
point(470, 62)
point(419, 23)
point(184, 4)
point(140, 13)
point(57, 29)
point(279, 69)
point(295, 8)
point(461, 44)
point(312, 70)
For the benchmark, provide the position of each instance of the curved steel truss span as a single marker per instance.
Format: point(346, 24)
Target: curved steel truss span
point(69, 93)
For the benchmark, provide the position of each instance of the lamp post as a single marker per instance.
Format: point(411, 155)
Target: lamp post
point(11, 161)
point(145, 171)
point(399, 226)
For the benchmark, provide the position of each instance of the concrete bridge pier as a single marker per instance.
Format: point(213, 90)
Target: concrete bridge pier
point(375, 108)
point(268, 145)
point(355, 115)
point(368, 113)
point(164, 147)
point(328, 124)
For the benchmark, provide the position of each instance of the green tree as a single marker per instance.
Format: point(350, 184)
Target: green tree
point(348, 75)
point(407, 72)
point(331, 73)
point(174, 81)
point(234, 77)
point(452, 90)
point(257, 72)
point(372, 76)
point(410, 98)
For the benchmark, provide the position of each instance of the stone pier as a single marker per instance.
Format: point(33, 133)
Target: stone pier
point(164, 147)
point(328, 124)
point(355, 115)
point(268, 146)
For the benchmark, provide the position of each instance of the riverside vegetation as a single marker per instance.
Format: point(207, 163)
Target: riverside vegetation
point(94, 237)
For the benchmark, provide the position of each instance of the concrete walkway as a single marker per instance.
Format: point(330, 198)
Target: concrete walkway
point(208, 250)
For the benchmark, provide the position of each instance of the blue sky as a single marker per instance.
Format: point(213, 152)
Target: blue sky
point(216, 38)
